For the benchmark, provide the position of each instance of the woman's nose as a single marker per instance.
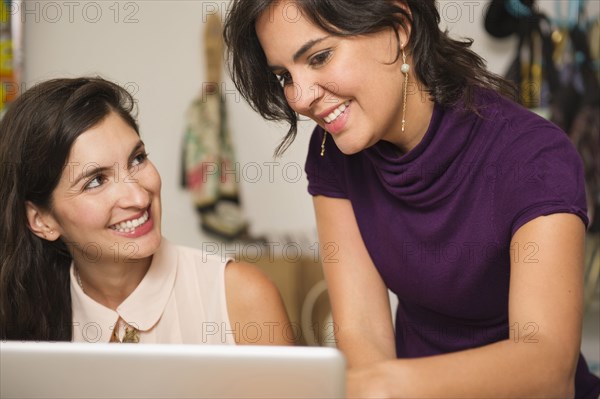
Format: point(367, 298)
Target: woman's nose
point(132, 193)
point(303, 93)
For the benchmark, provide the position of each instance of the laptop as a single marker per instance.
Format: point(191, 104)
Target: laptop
point(79, 370)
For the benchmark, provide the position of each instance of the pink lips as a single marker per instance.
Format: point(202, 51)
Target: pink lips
point(140, 230)
point(139, 215)
point(339, 123)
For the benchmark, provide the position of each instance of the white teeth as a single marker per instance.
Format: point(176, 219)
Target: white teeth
point(130, 225)
point(337, 112)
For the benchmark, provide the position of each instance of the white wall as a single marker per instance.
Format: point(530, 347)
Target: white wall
point(154, 48)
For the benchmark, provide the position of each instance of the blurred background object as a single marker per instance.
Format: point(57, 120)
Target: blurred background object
point(10, 52)
point(208, 159)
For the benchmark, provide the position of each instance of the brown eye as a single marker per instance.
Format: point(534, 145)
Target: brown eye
point(320, 58)
point(95, 182)
point(139, 159)
point(284, 78)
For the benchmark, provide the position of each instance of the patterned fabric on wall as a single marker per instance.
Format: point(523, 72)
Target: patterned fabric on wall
point(8, 78)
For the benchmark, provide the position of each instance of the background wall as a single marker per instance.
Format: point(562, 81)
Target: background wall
point(154, 48)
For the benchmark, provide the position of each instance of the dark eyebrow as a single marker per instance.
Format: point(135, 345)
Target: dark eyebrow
point(101, 169)
point(305, 47)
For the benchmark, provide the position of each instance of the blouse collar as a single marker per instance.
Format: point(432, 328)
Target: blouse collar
point(142, 309)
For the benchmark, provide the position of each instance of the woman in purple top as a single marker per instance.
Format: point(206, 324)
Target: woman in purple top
point(429, 182)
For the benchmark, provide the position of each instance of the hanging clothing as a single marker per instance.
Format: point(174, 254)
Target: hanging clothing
point(9, 70)
point(210, 171)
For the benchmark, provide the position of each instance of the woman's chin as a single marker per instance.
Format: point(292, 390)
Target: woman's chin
point(145, 247)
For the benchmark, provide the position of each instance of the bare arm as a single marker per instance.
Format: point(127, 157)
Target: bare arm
point(359, 298)
point(545, 315)
point(256, 311)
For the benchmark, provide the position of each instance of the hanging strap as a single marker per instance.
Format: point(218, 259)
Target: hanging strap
point(575, 10)
point(517, 9)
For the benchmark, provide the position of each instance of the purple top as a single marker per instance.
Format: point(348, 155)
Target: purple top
point(438, 220)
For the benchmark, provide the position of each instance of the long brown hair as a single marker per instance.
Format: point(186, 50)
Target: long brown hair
point(36, 135)
point(446, 67)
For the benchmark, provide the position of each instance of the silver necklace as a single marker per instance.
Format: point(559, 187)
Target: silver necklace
point(78, 278)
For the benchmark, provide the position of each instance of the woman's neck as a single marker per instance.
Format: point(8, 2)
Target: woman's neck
point(419, 110)
point(111, 283)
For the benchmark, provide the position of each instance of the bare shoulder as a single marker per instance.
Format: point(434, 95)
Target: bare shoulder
point(245, 281)
point(253, 300)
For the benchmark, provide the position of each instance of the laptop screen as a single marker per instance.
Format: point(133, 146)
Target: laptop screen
point(70, 370)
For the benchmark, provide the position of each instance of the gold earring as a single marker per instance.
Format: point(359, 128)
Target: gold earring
point(405, 68)
point(49, 234)
point(323, 143)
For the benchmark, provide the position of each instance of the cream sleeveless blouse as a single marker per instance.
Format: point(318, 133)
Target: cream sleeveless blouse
point(181, 300)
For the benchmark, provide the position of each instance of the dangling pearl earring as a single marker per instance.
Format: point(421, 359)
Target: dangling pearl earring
point(323, 143)
point(405, 68)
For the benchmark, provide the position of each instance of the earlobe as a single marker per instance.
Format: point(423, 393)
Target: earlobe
point(40, 223)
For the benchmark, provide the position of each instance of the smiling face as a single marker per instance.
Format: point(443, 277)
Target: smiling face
point(351, 86)
point(107, 203)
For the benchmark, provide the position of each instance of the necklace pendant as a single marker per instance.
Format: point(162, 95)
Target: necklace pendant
point(131, 336)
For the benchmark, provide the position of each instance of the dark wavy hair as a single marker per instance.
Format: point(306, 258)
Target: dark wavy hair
point(36, 136)
point(445, 66)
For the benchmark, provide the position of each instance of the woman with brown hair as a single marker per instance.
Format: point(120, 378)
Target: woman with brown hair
point(83, 258)
point(429, 181)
